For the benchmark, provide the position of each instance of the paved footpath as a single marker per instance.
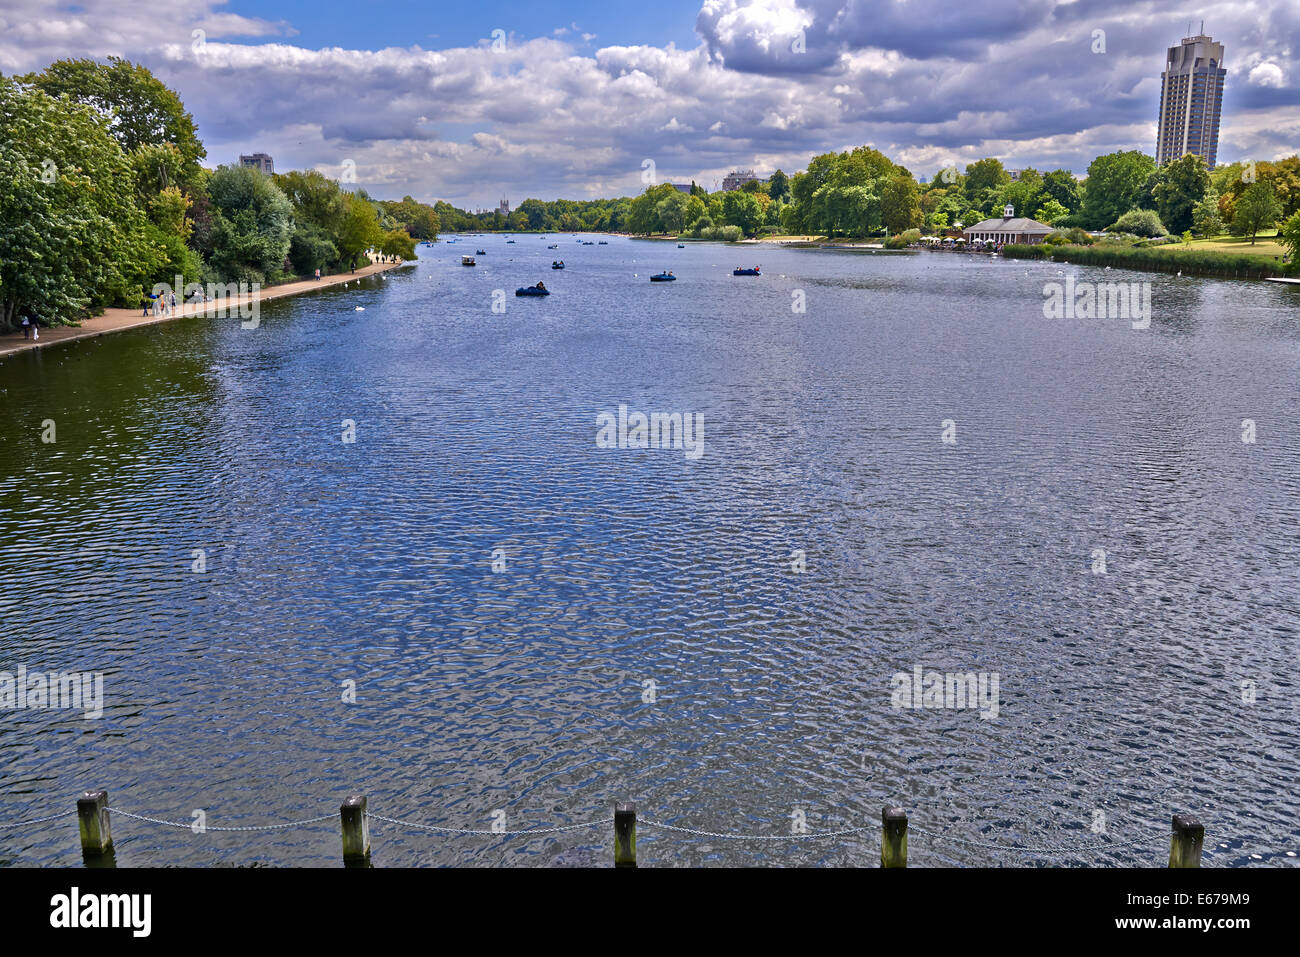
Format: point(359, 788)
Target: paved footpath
point(115, 320)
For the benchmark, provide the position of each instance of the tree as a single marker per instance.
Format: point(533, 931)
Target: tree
point(1257, 208)
point(1025, 194)
point(535, 210)
point(1061, 186)
point(779, 186)
point(140, 110)
point(1139, 222)
point(1050, 212)
point(985, 176)
point(859, 211)
point(359, 229)
point(397, 242)
point(420, 220)
point(1180, 185)
point(310, 248)
point(72, 234)
point(253, 223)
point(316, 199)
point(672, 211)
point(1114, 186)
point(1289, 236)
point(643, 211)
point(1205, 215)
point(743, 210)
point(1284, 176)
point(900, 206)
point(159, 166)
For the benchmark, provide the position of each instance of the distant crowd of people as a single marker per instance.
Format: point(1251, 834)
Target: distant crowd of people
point(164, 304)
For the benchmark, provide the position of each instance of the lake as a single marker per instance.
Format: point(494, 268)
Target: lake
point(917, 471)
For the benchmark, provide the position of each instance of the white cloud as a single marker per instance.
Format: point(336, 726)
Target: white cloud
point(924, 80)
point(1268, 74)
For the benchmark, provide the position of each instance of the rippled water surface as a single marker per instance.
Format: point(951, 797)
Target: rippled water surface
point(1120, 695)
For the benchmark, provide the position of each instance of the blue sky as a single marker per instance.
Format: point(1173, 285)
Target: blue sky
point(580, 99)
point(404, 23)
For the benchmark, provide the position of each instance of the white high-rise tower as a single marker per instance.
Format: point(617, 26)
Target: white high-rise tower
point(1191, 97)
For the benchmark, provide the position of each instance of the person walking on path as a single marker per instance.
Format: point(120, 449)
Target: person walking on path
point(27, 328)
point(172, 294)
point(318, 275)
point(36, 328)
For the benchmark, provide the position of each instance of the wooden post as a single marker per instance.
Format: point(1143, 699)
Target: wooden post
point(1185, 842)
point(92, 822)
point(356, 832)
point(625, 835)
point(893, 837)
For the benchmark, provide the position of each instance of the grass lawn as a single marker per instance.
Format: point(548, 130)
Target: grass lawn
point(1266, 244)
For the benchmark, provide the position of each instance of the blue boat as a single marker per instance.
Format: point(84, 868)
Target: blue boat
point(663, 277)
point(746, 272)
point(538, 290)
point(480, 252)
point(558, 265)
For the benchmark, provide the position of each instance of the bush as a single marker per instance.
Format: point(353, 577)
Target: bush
point(699, 226)
point(1072, 221)
point(1139, 222)
point(1025, 251)
point(1193, 261)
point(905, 238)
point(722, 234)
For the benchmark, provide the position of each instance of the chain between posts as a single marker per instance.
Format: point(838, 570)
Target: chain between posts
point(93, 814)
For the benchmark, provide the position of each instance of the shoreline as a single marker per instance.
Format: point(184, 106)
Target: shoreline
point(119, 320)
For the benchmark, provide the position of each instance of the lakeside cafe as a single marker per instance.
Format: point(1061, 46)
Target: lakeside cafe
point(1008, 229)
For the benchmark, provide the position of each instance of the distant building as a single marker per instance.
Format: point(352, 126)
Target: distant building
point(682, 188)
point(504, 207)
point(737, 178)
point(1008, 229)
point(1191, 98)
point(259, 161)
point(1015, 174)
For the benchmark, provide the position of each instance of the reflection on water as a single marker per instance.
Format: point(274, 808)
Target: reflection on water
point(625, 572)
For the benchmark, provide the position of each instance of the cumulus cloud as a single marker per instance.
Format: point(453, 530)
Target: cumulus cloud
point(770, 83)
point(1267, 74)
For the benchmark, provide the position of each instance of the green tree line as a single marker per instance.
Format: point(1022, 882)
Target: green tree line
point(103, 194)
point(863, 193)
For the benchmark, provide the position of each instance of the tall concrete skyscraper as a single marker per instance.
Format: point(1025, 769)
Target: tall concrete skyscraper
point(1191, 97)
